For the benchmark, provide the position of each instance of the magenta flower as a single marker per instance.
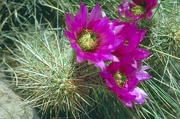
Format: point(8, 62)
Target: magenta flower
point(129, 37)
point(90, 35)
point(122, 77)
point(137, 9)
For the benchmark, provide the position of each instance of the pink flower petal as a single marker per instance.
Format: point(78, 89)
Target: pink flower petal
point(71, 36)
point(82, 14)
point(101, 65)
point(96, 13)
point(140, 95)
point(69, 18)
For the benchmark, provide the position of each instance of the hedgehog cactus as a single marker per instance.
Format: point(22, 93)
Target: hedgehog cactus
point(47, 75)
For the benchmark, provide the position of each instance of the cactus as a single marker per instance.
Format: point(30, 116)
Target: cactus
point(47, 76)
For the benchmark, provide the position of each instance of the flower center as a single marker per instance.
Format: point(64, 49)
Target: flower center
point(137, 10)
point(87, 40)
point(120, 79)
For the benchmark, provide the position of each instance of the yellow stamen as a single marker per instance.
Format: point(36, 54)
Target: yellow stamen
point(87, 40)
point(120, 79)
point(137, 10)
